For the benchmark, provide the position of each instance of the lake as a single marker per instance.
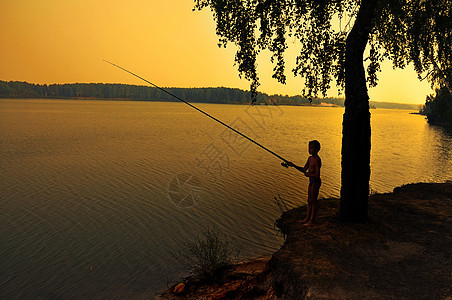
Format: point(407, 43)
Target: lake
point(96, 195)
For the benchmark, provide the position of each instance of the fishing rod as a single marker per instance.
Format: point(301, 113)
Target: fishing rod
point(285, 161)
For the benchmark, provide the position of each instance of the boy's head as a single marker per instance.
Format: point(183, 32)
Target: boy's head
point(315, 146)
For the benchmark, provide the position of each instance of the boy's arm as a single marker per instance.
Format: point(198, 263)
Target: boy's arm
point(306, 166)
point(301, 169)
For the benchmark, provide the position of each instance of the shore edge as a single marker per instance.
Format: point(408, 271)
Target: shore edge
point(404, 251)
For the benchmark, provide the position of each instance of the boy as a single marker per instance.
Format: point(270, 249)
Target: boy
point(311, 170)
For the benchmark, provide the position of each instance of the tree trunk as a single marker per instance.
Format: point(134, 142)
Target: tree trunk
point(356, 122)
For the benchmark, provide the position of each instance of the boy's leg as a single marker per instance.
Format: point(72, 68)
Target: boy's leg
point(309, 208)
point(313, 213)
point(308, 214)
point(315, 194)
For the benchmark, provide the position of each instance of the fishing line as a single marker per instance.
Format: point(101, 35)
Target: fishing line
point(285, 161)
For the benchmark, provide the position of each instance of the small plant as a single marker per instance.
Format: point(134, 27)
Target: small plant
point(209, 256)
point(372, 192)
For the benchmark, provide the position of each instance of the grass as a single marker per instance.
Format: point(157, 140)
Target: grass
point(210, 256)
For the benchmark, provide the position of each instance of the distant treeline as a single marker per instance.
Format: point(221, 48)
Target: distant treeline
point(438, 108)
point(393, 105)
point(16, 89)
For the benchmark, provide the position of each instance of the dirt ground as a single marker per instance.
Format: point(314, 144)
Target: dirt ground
point(403, 252)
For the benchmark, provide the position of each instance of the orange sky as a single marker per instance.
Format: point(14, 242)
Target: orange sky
point(50, 41)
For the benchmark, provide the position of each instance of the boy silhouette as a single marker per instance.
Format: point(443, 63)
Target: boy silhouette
point(311, 170)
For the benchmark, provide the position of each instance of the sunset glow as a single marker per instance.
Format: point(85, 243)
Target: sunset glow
point(166, 42)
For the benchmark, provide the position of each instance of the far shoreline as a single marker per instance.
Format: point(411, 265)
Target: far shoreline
point(408, 107)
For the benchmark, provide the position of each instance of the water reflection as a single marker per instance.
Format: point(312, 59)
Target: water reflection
point(441, 150)
point(85, 210)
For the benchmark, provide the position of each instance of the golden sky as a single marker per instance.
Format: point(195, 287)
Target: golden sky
point(66, 41)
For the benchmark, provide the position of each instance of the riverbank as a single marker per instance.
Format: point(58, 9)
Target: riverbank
point(403, 252)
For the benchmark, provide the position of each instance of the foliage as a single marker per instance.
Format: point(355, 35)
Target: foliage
point(404, 31)
point(438, 108)
point(209, 256)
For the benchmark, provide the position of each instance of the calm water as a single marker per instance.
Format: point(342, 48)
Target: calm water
point(95, 195)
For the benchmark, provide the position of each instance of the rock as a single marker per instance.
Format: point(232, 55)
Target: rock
point(178, 289)
point(219, 295)
point(403, 252)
